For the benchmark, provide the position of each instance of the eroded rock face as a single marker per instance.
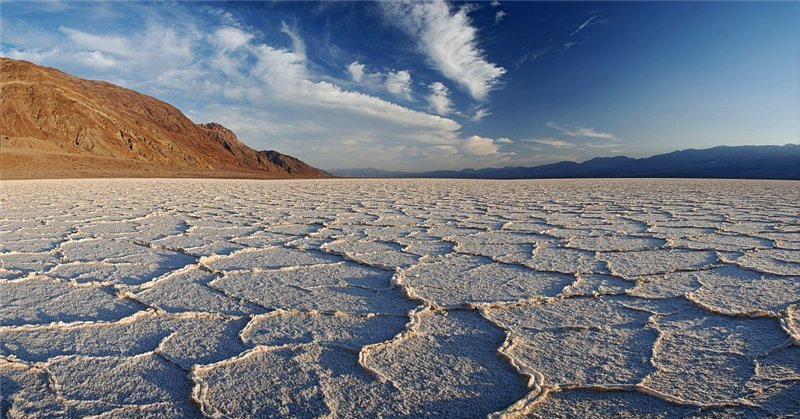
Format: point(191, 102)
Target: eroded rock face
point(56, 125)
point(354, 298)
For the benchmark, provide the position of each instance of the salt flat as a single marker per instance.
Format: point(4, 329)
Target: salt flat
point(361, 298)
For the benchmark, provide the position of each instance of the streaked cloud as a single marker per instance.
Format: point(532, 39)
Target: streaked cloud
point(298, 46)
point(480, 114)
point(583, 25)
point(112, 44)
point(581, 131)
point(604, 145)
point(448, 38)
point(552, 142)
point(532, 56)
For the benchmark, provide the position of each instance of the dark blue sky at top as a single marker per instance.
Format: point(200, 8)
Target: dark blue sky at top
point(638, 78)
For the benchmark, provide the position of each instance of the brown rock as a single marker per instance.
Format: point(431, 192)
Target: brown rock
point(53, 125)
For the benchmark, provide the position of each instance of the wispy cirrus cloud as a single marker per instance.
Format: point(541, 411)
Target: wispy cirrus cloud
point(112, 44)
point(480, 114)
point(552, 142)
point(123, 57)
point(581, 131)
point(583, 25)
point(449, 40)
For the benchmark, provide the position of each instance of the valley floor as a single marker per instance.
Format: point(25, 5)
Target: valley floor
point(363, 298)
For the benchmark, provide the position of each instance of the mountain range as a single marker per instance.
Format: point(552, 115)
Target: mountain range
point(723, 162)
point(53, 125)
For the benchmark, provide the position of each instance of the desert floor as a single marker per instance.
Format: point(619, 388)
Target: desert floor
point(362, 298)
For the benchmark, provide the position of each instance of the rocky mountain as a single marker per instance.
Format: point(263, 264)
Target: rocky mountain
point(723, 162)
point(56, 125)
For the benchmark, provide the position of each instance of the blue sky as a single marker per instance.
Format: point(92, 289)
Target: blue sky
point(434, 85)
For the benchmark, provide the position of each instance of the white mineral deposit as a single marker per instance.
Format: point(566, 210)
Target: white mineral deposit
point(383, 298)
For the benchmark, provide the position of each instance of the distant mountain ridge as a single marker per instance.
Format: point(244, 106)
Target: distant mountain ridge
point(723, 162)
point(56, 125)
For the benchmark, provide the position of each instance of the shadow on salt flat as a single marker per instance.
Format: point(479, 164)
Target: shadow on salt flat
point(581, 342)
point(189, 290)
point(601, 405)
point(461, 280)
point(696, 345)
point(632, 265)
point(737, 292)
point(780, 401)
point(285, 327)
point(26, 392)
point(449, 366)
point(345, 287)
point(94, 385)
point(20, 265)
point(40, 300)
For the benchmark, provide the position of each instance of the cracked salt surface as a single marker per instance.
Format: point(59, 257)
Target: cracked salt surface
point(359, 298)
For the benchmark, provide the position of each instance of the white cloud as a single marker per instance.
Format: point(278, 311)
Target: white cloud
point(229, 39)
point(480, 114)
point(282, 69)
point(439, 99)
point(450, 42)
point(298, 46)
point(32, 55)
point(603, 145)
point(399, 83)
point(581, 132)
point(287, 77)
point(481, 146)
point(553, 142)
point(356, 70)
point(141, 56)
point(96, 59)
point(498, 17)
point(116, 45)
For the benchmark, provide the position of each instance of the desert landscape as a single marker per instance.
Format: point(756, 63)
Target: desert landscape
point(356, 298)
point(399, 209)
